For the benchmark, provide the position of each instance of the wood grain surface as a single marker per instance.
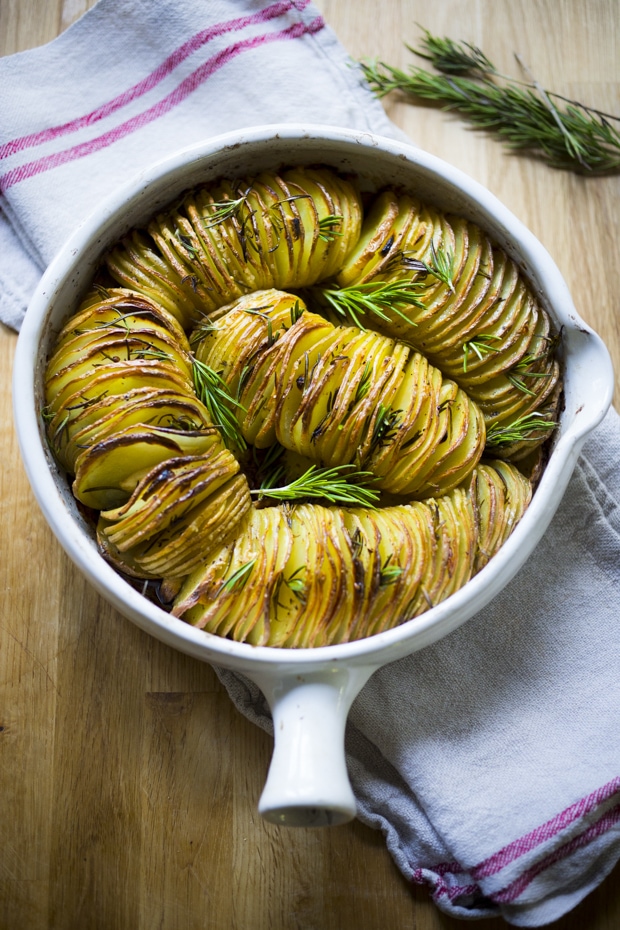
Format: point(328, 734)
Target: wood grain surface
point(128, 782)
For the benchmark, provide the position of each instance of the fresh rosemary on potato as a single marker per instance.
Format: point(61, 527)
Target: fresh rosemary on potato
point(328, 227)
point(564, 133)
point(342, 484)
point(214, 394)
point(375, 298)
point(523, 429)
point(479, 346)
point(238, 579)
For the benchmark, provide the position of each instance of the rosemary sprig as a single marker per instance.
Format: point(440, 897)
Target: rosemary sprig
point(214, 394)
point(342, 484)
point(224, 210)
point(520, 384)
point(327, 227)
point(523, 429)
point(237, 580)
point(454, 57)
point(375, 298)
point(521, 370)
point(480, 346)
point(571, 136)
point(441, 266)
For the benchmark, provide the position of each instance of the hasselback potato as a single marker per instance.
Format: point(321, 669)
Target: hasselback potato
point(470, 311)
point(382, 359)
point(287, 229)
point(339, 395)
point(124, 420)
point(315, 576)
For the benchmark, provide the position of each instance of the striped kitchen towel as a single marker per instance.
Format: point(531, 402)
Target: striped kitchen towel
point(130, 83)
point(491, 759)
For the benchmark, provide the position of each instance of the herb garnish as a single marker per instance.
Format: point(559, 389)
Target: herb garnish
point(342, 484)
point(375, 298)
point(523, 429)
point(565, 134)
point(213, 391)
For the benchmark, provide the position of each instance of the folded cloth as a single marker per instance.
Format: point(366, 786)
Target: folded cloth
point(489, 760)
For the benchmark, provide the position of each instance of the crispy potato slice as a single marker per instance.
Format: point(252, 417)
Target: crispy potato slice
point(107, 473)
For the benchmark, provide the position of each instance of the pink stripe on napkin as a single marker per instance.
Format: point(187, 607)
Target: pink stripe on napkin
point(546, 831)
point(154, 78)
point(185, 88)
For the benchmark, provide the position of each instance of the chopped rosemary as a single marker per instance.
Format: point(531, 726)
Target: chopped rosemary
point(385, 427)
point(357, 543)
point(296, 585)
point(363, 385)
point(296, 311)
point(54, 440)
point(389, 574)
point(202, 329)
point(523, 114)
point(186, 242)
point(193, 281)
point(331, 400)
point(246, 372)
point(214, 394)
point(182, 423)
point(375, 298)
point(342, 484)
point(523, 429)
point(258, 311)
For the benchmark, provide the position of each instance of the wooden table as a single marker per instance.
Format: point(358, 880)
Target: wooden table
point(129, 783)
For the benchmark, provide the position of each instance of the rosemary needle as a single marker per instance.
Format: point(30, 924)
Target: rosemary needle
point(342, 484)
point(573, 136)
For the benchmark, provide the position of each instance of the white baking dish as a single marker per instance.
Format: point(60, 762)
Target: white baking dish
point(309, 691)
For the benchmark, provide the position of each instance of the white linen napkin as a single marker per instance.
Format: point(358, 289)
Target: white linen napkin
point(491, 759)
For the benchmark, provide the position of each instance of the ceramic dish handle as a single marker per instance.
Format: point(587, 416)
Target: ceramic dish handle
point(308, 784)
